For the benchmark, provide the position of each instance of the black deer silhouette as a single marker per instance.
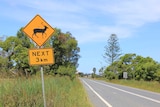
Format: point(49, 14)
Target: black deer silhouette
point(38, 30)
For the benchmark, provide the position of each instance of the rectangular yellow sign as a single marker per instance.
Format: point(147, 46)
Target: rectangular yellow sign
point(43, 56)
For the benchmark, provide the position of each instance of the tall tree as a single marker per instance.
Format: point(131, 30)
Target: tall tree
point(94, 72)
point(112, 49)
point(66, 50)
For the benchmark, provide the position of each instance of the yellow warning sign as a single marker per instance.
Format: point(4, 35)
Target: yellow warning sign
point(42, 56)
point(38, 30)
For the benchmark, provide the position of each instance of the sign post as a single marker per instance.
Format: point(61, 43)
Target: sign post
point(40, 31)
point(43, 91)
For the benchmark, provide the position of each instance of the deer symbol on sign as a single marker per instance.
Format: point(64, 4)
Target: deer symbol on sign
point(39, 30)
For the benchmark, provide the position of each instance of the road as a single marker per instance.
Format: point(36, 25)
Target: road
point(103, 94)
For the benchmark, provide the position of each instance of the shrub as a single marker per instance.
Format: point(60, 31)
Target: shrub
point(67, 71)
point(158, 75)
point(110, 75)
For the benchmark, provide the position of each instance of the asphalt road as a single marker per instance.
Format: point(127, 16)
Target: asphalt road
point(103, 94)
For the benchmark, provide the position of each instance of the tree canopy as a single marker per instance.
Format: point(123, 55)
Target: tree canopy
point(65, 47)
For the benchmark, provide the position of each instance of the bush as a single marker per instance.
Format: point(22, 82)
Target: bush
point(158, 75)
point(110, 75)
point(3, 64)
point(67, 71)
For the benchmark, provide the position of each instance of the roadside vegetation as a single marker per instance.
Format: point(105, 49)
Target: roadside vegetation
point(136, 67)
point(129, 66)
point(59, 92)
point(20, 83)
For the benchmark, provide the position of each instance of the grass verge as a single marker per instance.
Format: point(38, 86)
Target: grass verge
point(59, 92)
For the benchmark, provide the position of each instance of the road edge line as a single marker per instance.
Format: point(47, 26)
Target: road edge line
point(131, 93)
point(109, 105)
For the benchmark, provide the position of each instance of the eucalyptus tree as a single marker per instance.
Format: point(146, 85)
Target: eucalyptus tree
point(66, 50)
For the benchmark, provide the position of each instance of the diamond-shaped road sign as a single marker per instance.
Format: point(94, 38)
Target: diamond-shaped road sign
point(38, 30)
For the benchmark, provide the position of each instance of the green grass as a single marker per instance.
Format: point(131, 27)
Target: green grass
point(59, 92)
point(150, 86)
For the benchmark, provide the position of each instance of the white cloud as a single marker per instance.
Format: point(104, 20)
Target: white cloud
point(101, 33)
point(135, 12)
point(81, 17)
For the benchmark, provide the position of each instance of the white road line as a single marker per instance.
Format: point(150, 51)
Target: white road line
point(154, 100)
point(109, 105)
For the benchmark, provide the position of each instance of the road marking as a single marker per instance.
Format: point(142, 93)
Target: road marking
point(154, 100)
point(109, 105)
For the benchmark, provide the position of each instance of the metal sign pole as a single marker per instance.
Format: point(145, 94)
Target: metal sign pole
point(43, 91)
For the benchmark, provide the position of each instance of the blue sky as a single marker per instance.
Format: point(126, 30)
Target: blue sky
point(91, 22)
